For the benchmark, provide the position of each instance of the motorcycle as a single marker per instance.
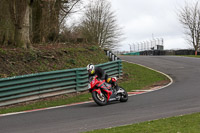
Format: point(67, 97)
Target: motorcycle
point(102, 92)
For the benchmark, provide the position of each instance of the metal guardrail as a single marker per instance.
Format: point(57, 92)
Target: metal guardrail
point(112, 56)
point(41, 85)
point(132, 53)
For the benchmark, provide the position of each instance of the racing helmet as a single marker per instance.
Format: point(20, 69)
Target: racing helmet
point(90, 68)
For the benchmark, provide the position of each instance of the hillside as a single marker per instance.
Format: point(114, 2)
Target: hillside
point(42, 58)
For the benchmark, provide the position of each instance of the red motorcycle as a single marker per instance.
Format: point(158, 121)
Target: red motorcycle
point(102, 92)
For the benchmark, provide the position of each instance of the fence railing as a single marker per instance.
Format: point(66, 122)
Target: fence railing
point(112, 56)
point(41, 85)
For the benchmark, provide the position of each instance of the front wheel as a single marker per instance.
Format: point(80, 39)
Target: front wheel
point(100, 99)
point(124, 95)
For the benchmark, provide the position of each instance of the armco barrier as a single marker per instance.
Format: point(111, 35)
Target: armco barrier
point(112, 56)
point(132, 53)
point(35, 86)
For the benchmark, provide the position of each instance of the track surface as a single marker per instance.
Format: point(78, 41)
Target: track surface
point(182, 97)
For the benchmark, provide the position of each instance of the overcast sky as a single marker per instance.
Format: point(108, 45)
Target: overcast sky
point(140, 19)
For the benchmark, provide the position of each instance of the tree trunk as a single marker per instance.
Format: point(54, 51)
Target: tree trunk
point(6, 24)
point(22, 36)
point(196, 49)
point(36, 18)
point(45, 20)
point(54, 20)
point(20, 11)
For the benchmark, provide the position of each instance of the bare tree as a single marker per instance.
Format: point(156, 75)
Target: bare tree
point(49, 17)
point(14, 21)
point(26, 21)
point(19, 10)
point(67, 8)
point(99, 25)
point(189, 16)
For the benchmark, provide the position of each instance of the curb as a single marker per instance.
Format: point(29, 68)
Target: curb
point(42, 109)
point(152, 89)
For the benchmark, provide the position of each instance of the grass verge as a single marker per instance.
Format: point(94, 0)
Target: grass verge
point(196, 56)
point(180, 124)
point(135, 77)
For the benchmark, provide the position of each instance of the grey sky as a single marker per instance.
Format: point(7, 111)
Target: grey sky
point(140, 19)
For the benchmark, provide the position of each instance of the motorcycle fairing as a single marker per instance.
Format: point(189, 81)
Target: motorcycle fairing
point(97, 90)
point(103, 85)
point(94, 82)
point(109, 93)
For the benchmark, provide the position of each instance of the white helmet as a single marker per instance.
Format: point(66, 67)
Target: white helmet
point(90, 68)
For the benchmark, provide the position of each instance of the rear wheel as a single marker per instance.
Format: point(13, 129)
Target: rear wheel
point(100, 99)
point(124, 95)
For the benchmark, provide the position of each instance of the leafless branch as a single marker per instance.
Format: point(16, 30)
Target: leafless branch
point(189, 17)
point(100, 25)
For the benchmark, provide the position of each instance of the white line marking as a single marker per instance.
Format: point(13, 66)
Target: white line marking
point(42, 109)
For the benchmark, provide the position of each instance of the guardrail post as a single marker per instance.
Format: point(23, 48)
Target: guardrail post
point(113, 57)
point(110, 56)
point(108, 53)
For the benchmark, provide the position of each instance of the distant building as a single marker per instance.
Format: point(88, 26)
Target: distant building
point(160, 47)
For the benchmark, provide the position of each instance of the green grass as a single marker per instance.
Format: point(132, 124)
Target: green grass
point(48, 103)
point(135, 77)
point(198, 56)
point(15, 62)
point(180, 124)
point(139, 77)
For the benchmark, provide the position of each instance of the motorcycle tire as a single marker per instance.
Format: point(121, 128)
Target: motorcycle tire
point(99, 99)
point(124, 96)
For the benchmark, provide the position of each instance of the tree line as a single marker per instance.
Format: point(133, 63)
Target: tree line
point(189, 17)
point(24, 22)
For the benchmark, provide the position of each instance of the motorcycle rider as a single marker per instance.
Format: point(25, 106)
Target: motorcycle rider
point(101, 74)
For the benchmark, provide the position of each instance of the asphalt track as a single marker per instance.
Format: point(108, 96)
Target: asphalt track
point(181, 97)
